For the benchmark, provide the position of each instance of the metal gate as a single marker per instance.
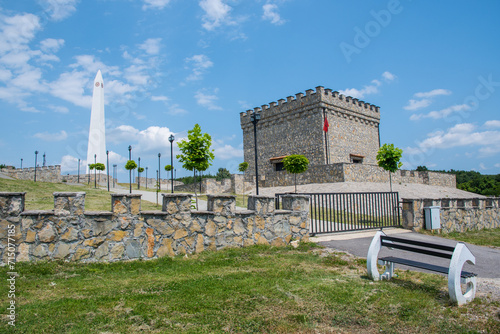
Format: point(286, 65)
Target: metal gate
point(338, 212)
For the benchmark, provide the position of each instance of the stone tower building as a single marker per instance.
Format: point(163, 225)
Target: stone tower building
point(295, 126)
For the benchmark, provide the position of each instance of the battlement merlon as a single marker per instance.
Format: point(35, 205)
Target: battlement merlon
point(332, 100)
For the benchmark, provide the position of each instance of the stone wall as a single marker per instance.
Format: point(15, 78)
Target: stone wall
point(456, 215)
point(235, 185)
point(43, 174)
point(151, 182)
point(70, 233)
point(89, 178)
point(295, 126)
point(351, 172)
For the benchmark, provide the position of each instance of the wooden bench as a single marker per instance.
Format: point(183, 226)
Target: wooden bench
point(458, 256)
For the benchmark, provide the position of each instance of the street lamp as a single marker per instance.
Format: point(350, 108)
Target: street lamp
point(21, 163)
point(107, 167)
point(95, 171)
point(130, 170)
point(146, 177)
point(88, 175)
point(139, 174)
point(78, 171)
point(171, 140)
point(159, 179)
point(43, 159)
point(255, 118)
point(36, 153)
point(114, 175)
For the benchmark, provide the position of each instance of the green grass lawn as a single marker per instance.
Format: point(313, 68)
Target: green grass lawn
point(39, 195)
point(486, 237)
point(248, 290)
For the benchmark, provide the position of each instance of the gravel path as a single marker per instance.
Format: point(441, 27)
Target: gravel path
point(406, 190)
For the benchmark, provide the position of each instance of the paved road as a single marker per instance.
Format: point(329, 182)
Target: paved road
point(487, 259)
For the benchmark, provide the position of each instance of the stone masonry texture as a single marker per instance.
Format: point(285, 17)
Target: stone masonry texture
point(72, 234)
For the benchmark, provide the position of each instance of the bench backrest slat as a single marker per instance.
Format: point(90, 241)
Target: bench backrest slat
point(417, 250)
point(399, 243)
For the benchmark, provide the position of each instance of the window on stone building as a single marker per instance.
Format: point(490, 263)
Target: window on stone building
point(278, 166)
point(357, 159)
point(277, 163)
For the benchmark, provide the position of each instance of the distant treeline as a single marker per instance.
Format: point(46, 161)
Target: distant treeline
point(475, 182)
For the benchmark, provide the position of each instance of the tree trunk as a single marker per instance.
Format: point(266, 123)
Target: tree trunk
point(390, 180)
point(195, 186)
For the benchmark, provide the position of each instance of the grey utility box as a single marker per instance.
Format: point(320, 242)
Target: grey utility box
point(432, 220)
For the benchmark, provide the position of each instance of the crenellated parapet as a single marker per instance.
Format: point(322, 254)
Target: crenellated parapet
point(297, 106)
point(70, 233)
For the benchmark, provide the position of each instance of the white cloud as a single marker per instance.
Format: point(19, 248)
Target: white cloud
point(151, 46)
point(70, 87)
point(69, 163)
point(271, 14)
point(417, 104)
point(51, 44)
point(59, 109)
point(159, 98)
point(17, 31)
point(91, 65)
point(207, 100)
point(441, 113)
point(46, 136)
point(176, 109)
point(153, 139)
point(497, 165)
point(372, 88)
point(360, 93)
point(433, 93)
point(460, 135)
point(216, 13)
point(60, 9)
point(155, 4)
point(226, 152)
point(200, 63)
point(492, 124)
point(388, 76)
point(483, 166)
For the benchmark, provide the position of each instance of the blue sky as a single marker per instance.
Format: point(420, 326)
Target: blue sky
point(432, 67)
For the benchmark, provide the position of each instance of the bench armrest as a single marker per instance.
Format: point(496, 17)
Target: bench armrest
point(372, 256)
point(460, 256)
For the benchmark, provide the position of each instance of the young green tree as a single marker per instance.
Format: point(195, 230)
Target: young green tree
point(130, 165)
point(196, 154)
point(388, 157)
point(100, 167)
point(222, 174)
point(295, 164)
point(168, 168)
point(242, 168)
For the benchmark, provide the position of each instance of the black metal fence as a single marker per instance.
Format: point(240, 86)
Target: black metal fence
point(351, 211)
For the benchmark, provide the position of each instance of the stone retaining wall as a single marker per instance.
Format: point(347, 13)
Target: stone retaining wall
point(456, 215)
point(70, 233)
point(43, 174)
point(351, 172)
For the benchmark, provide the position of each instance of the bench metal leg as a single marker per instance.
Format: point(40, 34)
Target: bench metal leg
point(389, 270)
point(460, 256)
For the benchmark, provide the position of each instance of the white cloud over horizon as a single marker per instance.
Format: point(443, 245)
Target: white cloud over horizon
point(372, 88)
point(51, 137)
point(487, 142)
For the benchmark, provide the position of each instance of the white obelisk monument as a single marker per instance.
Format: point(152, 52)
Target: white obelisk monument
point(97, 135)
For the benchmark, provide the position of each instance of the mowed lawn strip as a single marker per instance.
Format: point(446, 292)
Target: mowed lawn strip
point(257, 289)
point(39, 194)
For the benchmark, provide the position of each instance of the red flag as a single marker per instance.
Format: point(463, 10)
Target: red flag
point(326, 125)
